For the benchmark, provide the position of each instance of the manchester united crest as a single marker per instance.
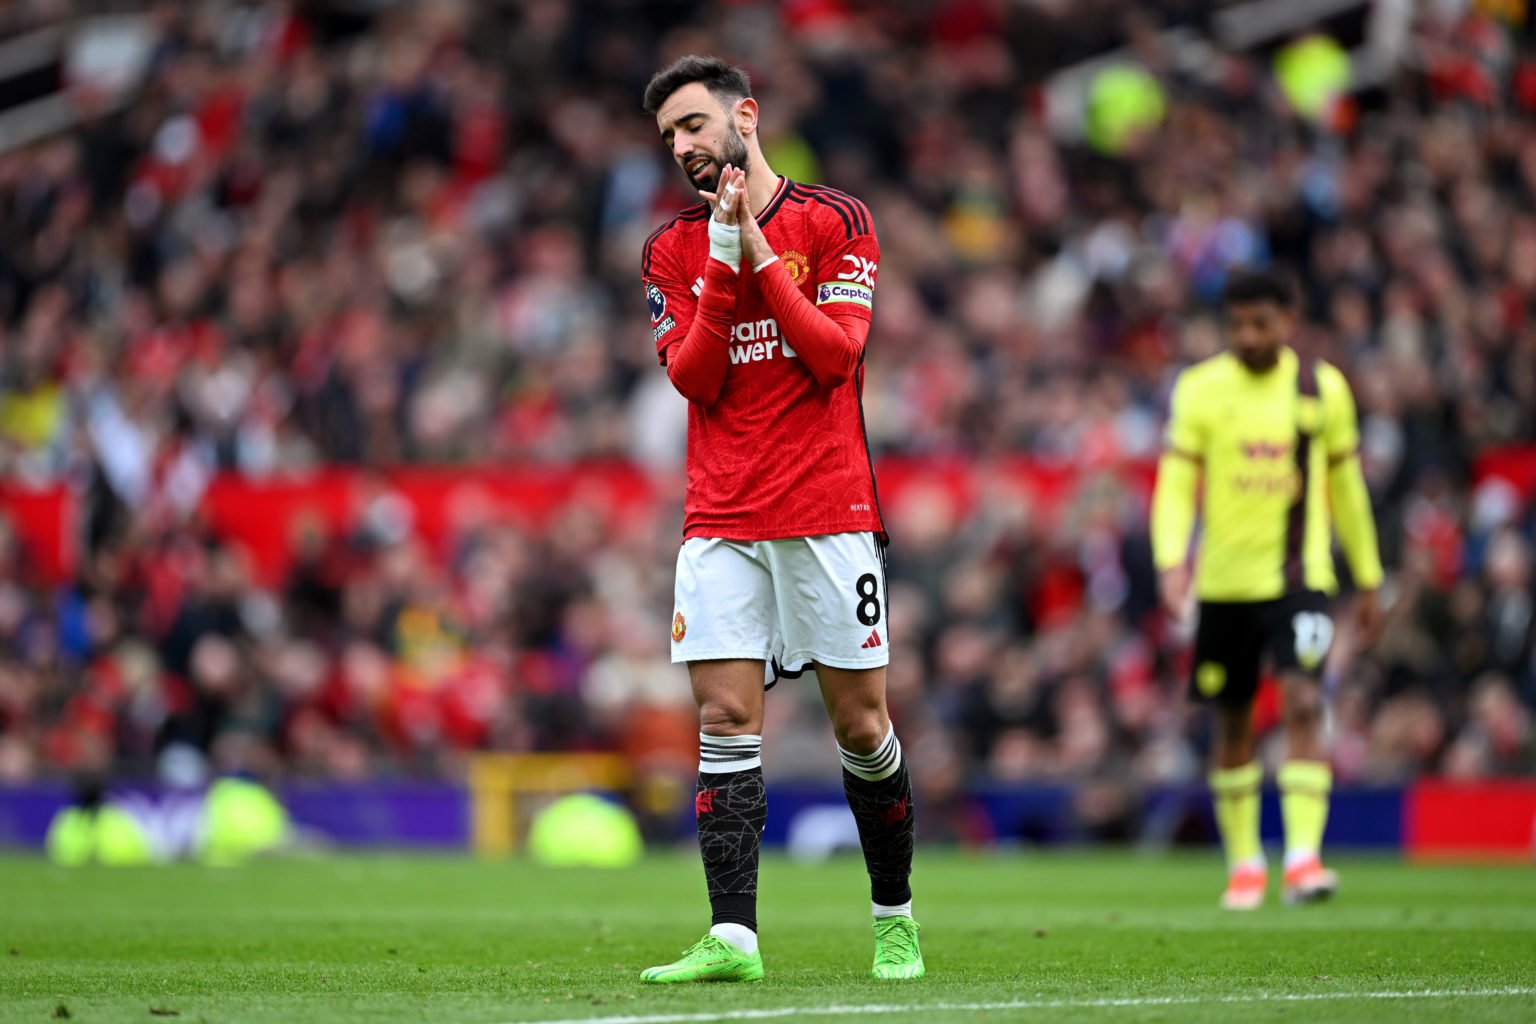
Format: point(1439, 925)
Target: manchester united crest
point(679, 628)
point(796, 263)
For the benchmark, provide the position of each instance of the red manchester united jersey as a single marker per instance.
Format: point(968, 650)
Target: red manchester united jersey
point(778, 454)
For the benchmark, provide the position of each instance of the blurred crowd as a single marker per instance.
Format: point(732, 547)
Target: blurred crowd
point(365, 235)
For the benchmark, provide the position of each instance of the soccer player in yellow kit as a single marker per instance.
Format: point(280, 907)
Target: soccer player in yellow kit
point(1273, 435)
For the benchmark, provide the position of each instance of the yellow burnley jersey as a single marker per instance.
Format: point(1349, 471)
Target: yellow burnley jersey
point(1243, 429)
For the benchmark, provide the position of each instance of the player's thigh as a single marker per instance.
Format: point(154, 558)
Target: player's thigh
point(855, 702)
point(723, 603)
point(1229, 645)
point(1298, 633)
point(729, 694)
point(830, 595)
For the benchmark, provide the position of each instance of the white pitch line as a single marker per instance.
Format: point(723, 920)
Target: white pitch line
point(875, 1009)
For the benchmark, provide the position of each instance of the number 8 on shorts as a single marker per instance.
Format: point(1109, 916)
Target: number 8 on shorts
point(794, 600)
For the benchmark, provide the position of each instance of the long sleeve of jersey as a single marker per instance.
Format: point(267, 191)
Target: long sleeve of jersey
point(1173, 509)
point(1178, 483)
point(830, 343)
point(1353, 522)
point(697, 363)
point(1349, 499)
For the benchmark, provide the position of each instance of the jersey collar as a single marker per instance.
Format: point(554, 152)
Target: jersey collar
point(779, 196)
point(1285, 369)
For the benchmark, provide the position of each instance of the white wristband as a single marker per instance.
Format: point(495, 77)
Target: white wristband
point(763, 264)
point(725, 243)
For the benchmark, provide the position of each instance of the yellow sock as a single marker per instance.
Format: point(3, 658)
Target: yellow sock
point(1236, 794)
point(1304, 788)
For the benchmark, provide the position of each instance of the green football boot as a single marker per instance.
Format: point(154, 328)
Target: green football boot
point(896, 954)
point(709, 959)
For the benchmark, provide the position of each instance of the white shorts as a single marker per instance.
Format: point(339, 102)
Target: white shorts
point(784, 602)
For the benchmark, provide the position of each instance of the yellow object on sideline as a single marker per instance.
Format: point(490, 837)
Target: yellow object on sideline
point(585, 831)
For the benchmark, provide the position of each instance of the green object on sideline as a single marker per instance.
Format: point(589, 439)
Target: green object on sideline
point(71, 838)
point(241, 820)
point(585, 831)
point(106, 835)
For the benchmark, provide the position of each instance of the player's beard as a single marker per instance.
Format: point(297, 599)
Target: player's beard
point(733, 151)
point(1259, 361)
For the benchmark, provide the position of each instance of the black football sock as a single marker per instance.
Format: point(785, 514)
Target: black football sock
point(732, 808)
point(879, 792)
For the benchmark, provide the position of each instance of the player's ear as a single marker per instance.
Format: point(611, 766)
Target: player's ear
point(746, 116)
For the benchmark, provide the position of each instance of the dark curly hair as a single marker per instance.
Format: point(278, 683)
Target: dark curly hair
point(1245, 286)
point(726, 82)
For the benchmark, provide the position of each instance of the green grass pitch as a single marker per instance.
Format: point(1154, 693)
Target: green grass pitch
point(1008, 937)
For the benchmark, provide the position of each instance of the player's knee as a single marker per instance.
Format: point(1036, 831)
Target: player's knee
point(1304, 712)
point(726, 718)
point(862, 731)
point(1303, 704)
point(1234, 725)
point(1233, 740)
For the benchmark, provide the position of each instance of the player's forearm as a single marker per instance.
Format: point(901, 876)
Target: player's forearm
point(697, 365)
point(1173, 509)
point(1353, 521)
point(829, 347)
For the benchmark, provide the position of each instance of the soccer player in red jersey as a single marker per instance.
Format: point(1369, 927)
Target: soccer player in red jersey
point(760, 300)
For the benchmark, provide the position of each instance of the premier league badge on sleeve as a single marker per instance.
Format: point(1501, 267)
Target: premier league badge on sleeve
point(657, 302)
